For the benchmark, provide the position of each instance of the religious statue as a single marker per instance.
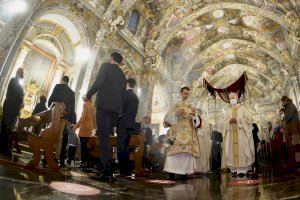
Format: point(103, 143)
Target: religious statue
point(114, 23)
point(239, 152)
point(184, 148)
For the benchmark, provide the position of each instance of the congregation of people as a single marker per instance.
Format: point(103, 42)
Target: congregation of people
point(191, 145)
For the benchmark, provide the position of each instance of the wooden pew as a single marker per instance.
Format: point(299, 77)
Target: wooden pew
point(136, 142)
point(46, 139)
point(31, 125)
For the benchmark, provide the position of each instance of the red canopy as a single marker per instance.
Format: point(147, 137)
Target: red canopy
point(236, 87)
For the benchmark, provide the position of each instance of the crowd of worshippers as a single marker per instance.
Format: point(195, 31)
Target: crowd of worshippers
point(191, 145)
point(115, 107)
point(281, 143)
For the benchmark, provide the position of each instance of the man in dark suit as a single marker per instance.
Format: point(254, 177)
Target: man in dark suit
point(62, 93)
point(110, 85)
point(11, 109)
point(127, 126)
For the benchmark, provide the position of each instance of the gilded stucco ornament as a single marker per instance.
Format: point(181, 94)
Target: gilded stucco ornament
point(293, 20)
point(286, 57)
point(153, 59)
point(114, 23)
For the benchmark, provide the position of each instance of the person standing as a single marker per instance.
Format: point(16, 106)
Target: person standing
point(256, 140)
point(239, 144)
point(110, 86)
point(182, 137)
point(291, 130)
point(62, 93)
point(72, 144)
point(126, 127)
point(11, 109)
point(216, 148)
point(86, 125)
point(203, 162)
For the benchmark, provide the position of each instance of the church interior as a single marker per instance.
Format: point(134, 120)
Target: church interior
point(166, 45)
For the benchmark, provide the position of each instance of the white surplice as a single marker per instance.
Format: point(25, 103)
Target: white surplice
point(204, 161)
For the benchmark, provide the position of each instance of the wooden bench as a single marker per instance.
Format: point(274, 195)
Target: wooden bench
point(32, 141)
point(43, 141)
point(136, 142)
point(25, 126)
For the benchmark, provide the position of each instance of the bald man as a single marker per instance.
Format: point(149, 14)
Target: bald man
point(11, 109)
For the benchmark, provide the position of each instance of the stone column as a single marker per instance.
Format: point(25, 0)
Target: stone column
point(24, 50)
point(146, 98)
point(149, 99)
point(75, 75)
point(59, 71)
point(89, 69)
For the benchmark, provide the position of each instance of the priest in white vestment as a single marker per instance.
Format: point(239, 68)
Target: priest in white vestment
point(239, 145)
point(203, 162)
point(184, 148)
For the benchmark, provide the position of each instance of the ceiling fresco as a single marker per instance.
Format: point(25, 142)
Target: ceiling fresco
point(219, 40)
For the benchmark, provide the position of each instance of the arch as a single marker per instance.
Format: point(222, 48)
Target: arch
point(272, 54)
point(52, 12)
point(65, 23)
point(163, 40)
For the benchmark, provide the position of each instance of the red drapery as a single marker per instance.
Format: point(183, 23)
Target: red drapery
point(237, 87)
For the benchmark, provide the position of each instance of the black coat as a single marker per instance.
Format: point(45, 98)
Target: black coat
point(110, 85)
point(148, 135)
point(62, 93)
point(40, 107)
point(291, 112)
point(255, 133)
point(130, 107)
point(14, 98)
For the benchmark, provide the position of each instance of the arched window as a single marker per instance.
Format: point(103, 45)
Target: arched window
point(134, 21)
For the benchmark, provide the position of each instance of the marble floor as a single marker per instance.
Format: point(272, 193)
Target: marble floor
point(19, 183)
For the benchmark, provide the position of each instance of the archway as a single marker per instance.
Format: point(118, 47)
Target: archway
point(55, 45)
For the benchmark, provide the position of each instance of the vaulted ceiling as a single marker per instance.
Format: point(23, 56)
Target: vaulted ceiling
point(219, 40)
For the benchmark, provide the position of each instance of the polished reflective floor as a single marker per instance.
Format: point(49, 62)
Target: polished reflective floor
point(19, 183)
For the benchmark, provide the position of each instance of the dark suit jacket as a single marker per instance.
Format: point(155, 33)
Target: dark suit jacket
point(40, 107)
point(62, 93)
point(291, 113)
point(148, 135)
point(14, 98)
point(130, 107)
point(110, 85)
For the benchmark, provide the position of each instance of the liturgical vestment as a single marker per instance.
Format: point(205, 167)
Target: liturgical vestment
point(239, 145)
point(180, 157)
point(203, 162)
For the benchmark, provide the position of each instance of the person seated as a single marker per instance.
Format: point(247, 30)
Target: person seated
point(148, 141)
point(156, 148)
point(41, 106)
